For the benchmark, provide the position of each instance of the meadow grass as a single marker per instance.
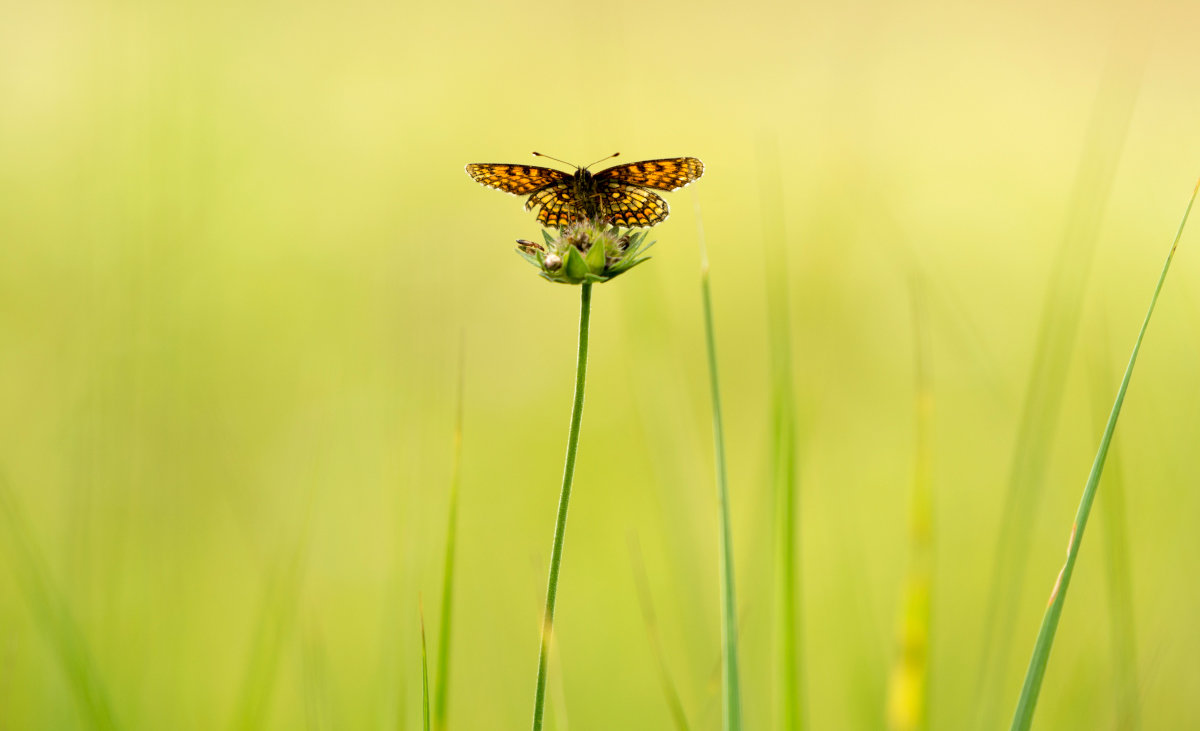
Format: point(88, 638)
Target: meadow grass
point(1023, 717)
point(731, 694)
point(233, 238)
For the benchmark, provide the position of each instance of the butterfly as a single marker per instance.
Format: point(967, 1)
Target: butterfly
point(618, 195)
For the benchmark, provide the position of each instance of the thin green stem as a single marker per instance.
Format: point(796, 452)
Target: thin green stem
point(441, 687)
point(560, 526)
point(1023, 717)
point(730, 684)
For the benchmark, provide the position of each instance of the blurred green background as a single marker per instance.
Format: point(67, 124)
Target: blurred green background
point(239, 259)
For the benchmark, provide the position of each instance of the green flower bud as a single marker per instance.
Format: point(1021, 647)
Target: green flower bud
point(586, 251)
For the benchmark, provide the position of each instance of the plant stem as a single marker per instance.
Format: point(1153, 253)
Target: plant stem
point(560, 526)
point(732, 705)
point(1023, 717)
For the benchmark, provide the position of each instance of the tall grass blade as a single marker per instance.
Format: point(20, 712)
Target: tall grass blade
point(1057, 334)
point(424, 677)
point(442, 685)
point(1023, 717)
point(674, 704)
point(52, 610)
point(908, 689)
point(730, 684)
point(783, 446)
point(1116, 549)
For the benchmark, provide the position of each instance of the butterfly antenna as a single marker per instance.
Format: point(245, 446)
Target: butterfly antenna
point(555, 159)
point(607, 157)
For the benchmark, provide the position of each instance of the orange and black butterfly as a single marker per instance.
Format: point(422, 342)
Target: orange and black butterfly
point(618, 195)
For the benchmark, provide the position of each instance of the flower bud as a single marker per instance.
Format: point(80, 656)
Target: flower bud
point(585, 251)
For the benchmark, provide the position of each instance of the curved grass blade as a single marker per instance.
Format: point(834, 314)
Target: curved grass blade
point(1057, 333)
point(1116, 549)
point(731, 683)
point(1023, 717)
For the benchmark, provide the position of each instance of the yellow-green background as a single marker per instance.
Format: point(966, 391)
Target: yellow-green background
point(239, 260)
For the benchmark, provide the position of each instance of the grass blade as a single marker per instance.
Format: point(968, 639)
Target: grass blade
point(1023, 717)
point(1042, 405)
point(424, 676)
point(908, 691)
point(441, 687)
point(52, 611)
point(783, 447)
point(1116, 548)
point(730, 685)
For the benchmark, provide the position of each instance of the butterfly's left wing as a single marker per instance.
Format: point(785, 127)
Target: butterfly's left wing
point(631, 206)
point(515, 179)
point(668, 174)
point(558, 203)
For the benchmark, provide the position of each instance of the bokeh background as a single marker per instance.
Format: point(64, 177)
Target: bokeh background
point(240, 265)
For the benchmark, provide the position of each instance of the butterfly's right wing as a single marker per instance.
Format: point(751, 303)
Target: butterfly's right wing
point(667, 174)
point(515, 179)
point(631, 206)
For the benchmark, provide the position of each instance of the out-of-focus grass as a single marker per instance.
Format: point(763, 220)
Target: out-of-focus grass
point(277, 615)
point(784, 436)
point(1058, 330)
point(318, 713)
point(646, 600)
point(86, 681)
point(424, 678)
point(237, 237)
point(908, 686)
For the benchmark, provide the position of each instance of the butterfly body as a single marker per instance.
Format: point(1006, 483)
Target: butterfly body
point(620, 195)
